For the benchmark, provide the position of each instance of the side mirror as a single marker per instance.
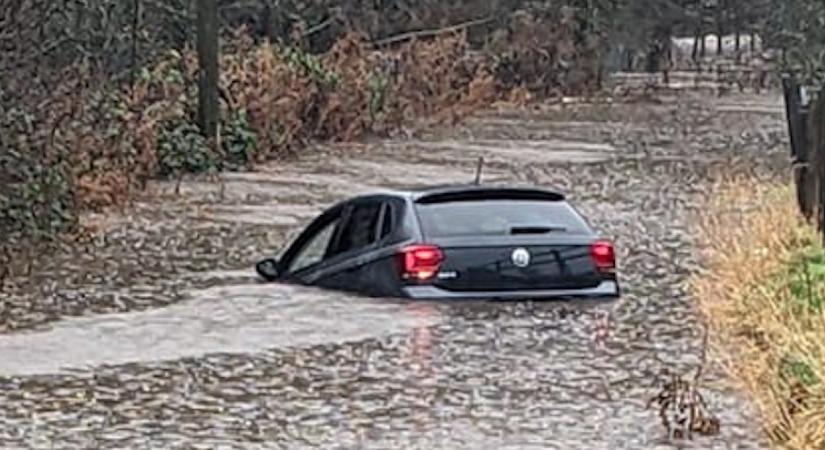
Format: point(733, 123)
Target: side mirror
point(268, 269)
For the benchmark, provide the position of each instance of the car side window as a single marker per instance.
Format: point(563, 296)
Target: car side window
point(361, 227)
point(386, 220)
point(315, 250)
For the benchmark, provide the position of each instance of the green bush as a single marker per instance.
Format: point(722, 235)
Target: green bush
point(182, 149)
point(238, 142)
point(36, 195)
point(379, 87)
point(312, 66)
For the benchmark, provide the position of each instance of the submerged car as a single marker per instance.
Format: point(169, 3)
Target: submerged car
point(458, 242)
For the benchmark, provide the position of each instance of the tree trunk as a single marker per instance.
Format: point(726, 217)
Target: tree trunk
point(704, 45)
point(696, 36)
point(135, 42)
point(738, 40)
point(720, 26)
point(753, 41)
point(207, 47)
point(627, 60)
point(666, 53)
point(652, 58)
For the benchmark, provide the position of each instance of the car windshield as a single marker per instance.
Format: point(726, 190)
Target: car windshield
point(499, 217)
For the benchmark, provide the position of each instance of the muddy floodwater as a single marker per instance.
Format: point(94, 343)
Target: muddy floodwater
point(154, 333)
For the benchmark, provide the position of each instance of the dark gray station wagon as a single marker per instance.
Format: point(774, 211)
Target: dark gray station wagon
point(459, 242)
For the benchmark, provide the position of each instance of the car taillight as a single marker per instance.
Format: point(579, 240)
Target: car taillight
point(421, 262)
point(603, 255)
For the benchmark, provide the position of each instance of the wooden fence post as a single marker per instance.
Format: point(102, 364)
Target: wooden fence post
point(808, 153)
point(790, 89)
point(799, 148)
point(816, 167)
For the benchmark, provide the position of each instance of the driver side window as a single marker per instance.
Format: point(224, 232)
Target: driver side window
point(359, 231)
point(315, 249)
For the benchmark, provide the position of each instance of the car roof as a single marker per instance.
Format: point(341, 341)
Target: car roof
point(431, 194)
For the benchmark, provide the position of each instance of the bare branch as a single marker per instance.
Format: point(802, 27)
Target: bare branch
point(430, 33)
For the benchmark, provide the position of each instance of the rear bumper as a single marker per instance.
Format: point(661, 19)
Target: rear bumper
point(607, 290)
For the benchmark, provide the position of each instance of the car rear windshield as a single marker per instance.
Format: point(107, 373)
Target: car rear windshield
point(499, 217)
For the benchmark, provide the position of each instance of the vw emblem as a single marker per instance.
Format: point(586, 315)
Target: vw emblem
point(520, 257)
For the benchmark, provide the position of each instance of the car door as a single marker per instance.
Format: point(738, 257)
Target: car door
point(347, 249)
point(358, 236)
point(366, 246)
point(377, 269)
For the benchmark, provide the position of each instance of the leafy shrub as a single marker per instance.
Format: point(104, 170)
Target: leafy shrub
point(36, 197)
point(379, 86)
point(39, 203)
point(182, 148)
point(238, 142)
point(310, 65)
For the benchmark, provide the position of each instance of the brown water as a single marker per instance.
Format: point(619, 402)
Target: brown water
point(155, 334)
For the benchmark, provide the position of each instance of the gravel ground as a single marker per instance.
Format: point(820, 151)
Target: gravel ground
point(154, 334)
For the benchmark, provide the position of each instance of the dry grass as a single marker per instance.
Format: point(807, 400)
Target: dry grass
point(762, 295)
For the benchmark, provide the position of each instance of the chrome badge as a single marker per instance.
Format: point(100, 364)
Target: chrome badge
point(520, 257)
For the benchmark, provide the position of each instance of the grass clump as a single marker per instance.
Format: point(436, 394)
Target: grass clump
point(762, 294)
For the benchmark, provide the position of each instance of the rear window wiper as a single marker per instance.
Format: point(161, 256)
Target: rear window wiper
point(536, 229)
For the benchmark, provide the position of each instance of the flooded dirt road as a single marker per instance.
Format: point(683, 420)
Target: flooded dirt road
point(155, 334)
